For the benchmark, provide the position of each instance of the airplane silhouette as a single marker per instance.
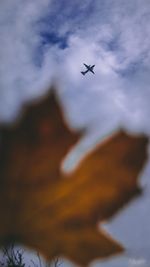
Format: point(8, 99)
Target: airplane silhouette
point(89, 68)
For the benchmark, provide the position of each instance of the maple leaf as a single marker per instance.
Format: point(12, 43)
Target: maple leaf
point(57, 213)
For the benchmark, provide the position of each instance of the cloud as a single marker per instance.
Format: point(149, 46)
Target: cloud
point(44, 41)
point(47, 41)
point(20, 76)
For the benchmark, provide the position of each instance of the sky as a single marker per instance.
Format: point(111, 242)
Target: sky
point(46, 42)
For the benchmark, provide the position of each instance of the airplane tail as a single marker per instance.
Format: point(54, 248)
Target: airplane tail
point(83, 72)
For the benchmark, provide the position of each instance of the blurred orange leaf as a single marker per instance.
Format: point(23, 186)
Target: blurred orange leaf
point(58, 213)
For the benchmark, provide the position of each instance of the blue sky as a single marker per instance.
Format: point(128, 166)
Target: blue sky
point(47, 41)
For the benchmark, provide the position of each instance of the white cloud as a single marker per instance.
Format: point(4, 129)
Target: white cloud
point(20, 76)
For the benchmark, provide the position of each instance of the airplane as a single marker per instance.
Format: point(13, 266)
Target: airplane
point(89, 68)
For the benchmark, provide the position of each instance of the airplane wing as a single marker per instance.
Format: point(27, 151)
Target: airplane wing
point(86, 65)
point(92, 71)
